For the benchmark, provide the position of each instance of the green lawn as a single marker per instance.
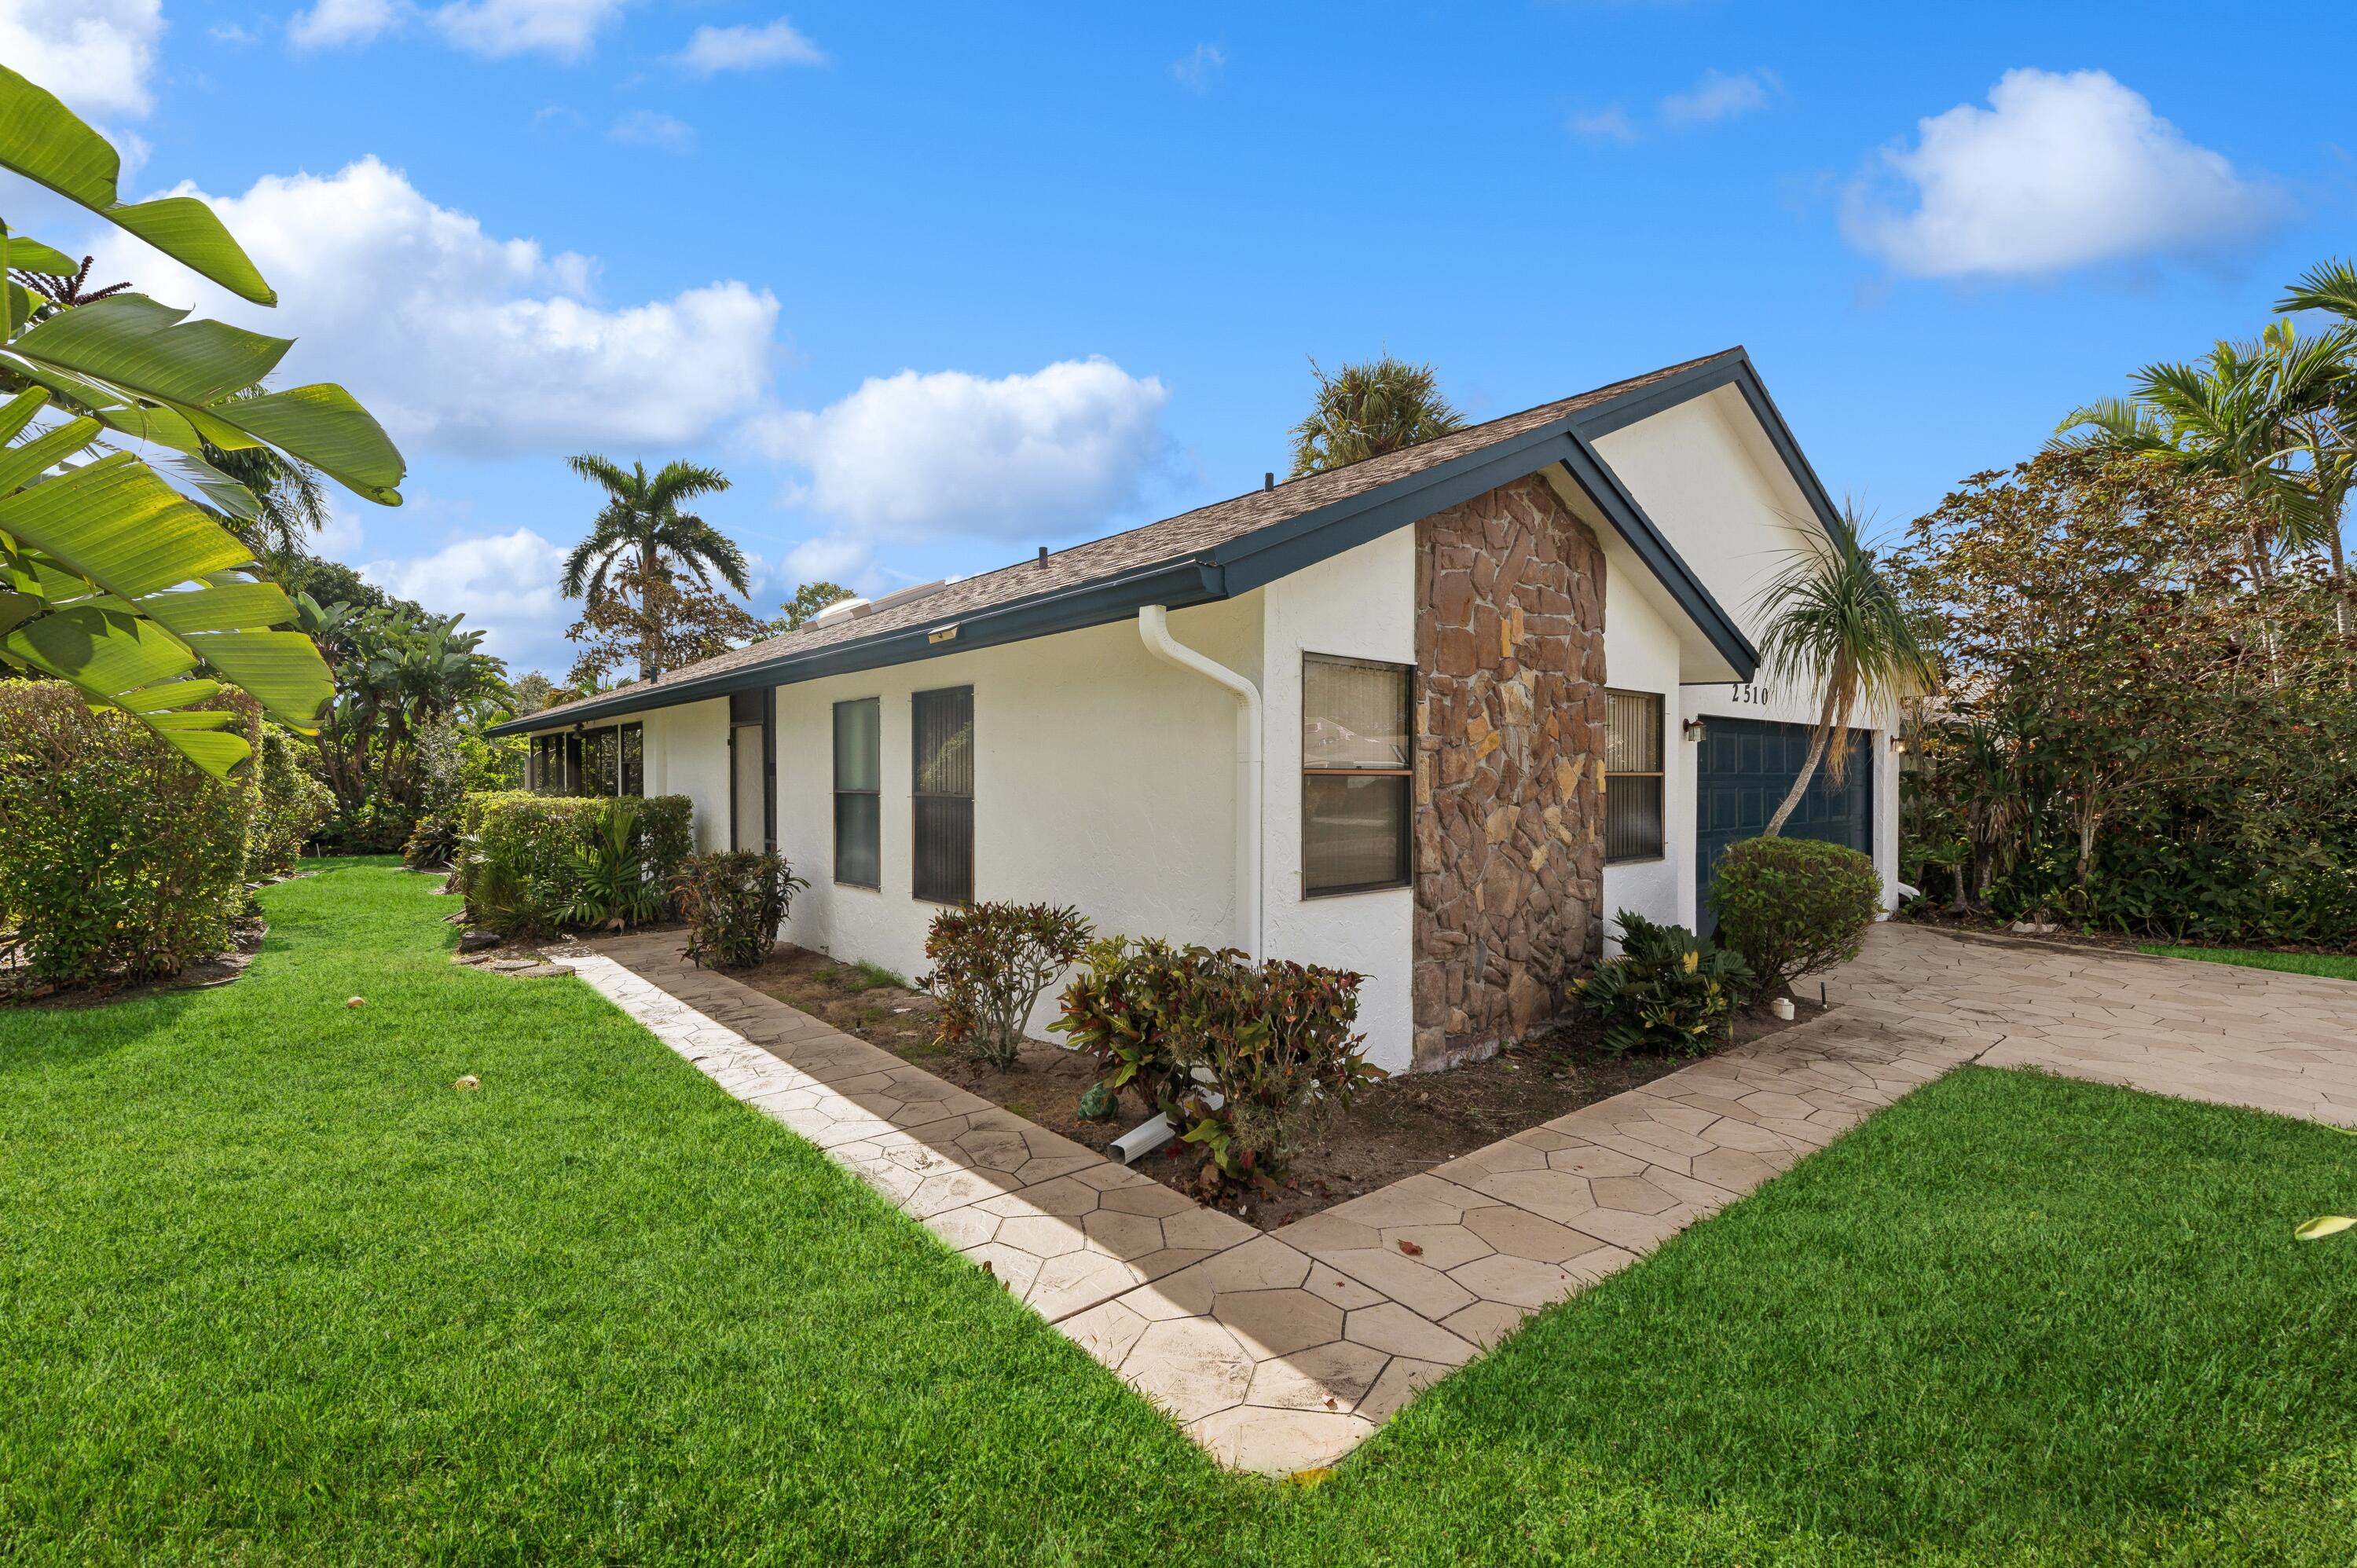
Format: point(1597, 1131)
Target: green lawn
point(271, 1290)
point(2331, 966)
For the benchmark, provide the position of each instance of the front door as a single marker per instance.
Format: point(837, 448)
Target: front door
point(1746, 769)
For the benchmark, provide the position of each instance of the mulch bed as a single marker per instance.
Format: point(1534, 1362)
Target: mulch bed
point(1397, 1128)
point(19, 989)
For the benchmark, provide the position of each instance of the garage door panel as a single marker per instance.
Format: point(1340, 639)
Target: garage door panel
point(1747, 768)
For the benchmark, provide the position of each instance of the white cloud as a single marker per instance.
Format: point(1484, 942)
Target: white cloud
point(504, 583)
point(1201, 72)
point(1602, 125)
point(711, 50)
point(229, 33)
point(1719, 96)
point(912, 457)
point(646, 128)
point(2059, 171)
point(96, 55)
point(331, 23)
point(465, 342)
point(563, 28)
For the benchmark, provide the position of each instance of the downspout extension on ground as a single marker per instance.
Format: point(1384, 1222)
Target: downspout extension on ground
point(1154, 628)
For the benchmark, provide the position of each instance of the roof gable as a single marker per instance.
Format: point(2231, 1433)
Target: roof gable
point(1233, 546)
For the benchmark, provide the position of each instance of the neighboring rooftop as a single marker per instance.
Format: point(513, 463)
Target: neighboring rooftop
point(1173, 540)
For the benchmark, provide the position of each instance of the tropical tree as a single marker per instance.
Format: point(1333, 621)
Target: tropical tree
point(1365, 410)
point(808, 600)
point(642, 527)
point(662, 622)
point(1835, 625)
point(113, 575)
point(2324, 424)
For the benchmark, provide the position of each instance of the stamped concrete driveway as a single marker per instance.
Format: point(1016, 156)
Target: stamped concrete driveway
point(1283, 1351)
point(2217, 1032)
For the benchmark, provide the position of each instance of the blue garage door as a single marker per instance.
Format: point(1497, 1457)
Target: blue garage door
point(1745, 769)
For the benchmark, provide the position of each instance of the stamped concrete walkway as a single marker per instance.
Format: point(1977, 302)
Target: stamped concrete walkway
point(1282, 1351)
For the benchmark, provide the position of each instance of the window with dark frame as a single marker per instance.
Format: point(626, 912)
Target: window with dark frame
point(634, 759)
point(1356, 755)
point(940, 787)
point(1633, 827)
point(858, 808)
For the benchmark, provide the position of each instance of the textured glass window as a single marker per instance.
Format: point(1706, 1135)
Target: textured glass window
point(1355, 755)
point(1632, 776)
point(941, 787)
point(859, 813)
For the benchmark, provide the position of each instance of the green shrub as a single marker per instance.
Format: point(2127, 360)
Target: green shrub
point(525, 859)
point(733, 903)
point(1273, 1041)
point(117, 856)
point(1665, 992)
point(1793, 906)
point(991, 961)
point(290, 807)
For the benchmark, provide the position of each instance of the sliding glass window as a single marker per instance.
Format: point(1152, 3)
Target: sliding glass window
point(942, 785)
point(858, 810)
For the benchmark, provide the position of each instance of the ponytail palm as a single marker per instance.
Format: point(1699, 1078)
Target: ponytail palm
point(1837, 626)
point(641, 525)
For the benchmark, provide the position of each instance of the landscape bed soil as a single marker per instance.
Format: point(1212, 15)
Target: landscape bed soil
point(1398, 1127)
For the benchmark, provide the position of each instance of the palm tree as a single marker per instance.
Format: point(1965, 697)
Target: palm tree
point(1835, 624)
point(641, 518)
point(1366, 410)
point(2326, 427)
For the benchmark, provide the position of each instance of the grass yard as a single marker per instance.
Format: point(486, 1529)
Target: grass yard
point(270, 1291)
point(2331, 966)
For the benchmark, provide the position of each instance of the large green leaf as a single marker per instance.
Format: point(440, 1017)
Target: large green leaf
point(32, 256)
point(194, 370)
point(132, 342)
point(41, 139)
point(116, 523)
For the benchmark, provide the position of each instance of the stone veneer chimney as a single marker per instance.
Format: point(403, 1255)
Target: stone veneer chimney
point(1509, 767)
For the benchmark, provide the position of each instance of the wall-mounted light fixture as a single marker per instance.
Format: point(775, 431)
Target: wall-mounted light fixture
point(1692, 729)
point(1898, 746)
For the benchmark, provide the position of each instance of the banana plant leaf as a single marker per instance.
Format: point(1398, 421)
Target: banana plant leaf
point(111, 579)
point(41, 139)
point(131, 345)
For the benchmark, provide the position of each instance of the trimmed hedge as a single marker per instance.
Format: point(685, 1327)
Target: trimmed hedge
point(118, 858)
point(517, 851)
point(1793, 906)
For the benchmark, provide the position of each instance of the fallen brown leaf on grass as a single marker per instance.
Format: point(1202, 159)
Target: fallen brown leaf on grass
point(469, 1081)
point(355, 1002)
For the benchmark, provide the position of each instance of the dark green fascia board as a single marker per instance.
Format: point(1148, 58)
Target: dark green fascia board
point(1175, 584)
point(1733, 367)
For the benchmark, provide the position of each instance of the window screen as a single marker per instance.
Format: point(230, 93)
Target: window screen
point(941, 786)
point(1355, 753)
point(634, 759)
point(1632, 776)
point(859, 814)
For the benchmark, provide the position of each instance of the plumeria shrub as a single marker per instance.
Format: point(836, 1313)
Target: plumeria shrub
point(992, 962)
point(119, 858)
point(1793, 906)
point(1247, 1060)
point(733, 903)
point(1666, 991)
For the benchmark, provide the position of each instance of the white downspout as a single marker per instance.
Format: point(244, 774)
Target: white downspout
point(1153, 626)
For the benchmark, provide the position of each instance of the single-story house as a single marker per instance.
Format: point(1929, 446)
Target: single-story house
point(1435, 717)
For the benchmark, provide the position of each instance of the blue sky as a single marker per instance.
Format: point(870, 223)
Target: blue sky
point(938, 285)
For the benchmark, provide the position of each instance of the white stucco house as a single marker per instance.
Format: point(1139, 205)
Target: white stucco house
point(1435, 716)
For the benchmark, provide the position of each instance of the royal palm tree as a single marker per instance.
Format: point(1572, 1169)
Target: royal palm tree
point(1363, 410)
point(1835, 625)
point(641, 519)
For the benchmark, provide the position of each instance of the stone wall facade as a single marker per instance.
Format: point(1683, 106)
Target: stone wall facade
point(1509, 767)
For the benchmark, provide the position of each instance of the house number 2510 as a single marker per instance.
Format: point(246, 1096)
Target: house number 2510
point(1751, 693)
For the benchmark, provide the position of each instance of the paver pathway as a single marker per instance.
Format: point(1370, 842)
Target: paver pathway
point(1283, 1351)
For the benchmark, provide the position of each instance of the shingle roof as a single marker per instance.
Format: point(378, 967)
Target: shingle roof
point(1173, 539)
